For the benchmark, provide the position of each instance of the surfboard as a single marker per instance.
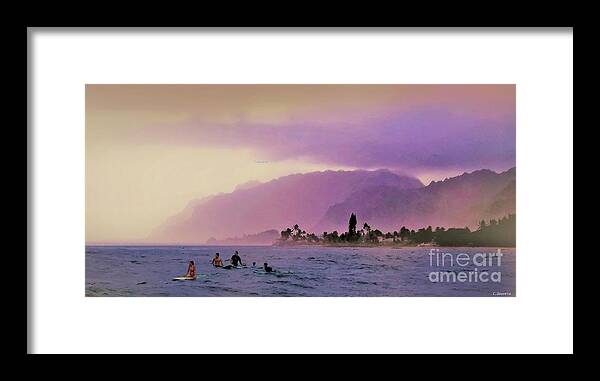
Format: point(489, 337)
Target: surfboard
point(263, 272)
point(184, 278)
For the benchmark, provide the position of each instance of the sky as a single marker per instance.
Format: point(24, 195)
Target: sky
point(151, 149)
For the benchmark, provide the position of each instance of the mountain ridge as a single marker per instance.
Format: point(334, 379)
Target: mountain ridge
point(285, 201)
point(322, 201)
point(457, 201)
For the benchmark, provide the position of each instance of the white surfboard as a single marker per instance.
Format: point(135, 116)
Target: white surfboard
point(184, 278)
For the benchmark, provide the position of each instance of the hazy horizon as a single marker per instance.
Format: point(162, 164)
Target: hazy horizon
point(143, 241)
point(151, 149)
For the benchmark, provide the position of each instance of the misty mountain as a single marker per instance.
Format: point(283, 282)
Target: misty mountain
point(283, 202)
point(263, 238)
point(455, 202)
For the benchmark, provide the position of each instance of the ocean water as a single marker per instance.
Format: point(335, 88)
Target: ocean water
point(301, 271)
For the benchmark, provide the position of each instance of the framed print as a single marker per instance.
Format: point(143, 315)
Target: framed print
point(361, 189)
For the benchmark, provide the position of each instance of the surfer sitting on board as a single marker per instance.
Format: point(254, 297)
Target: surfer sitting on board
point(217, 261)
point(191, 271)
point(268, 268)
point(236, 260)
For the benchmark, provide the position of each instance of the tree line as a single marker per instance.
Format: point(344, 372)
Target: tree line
point(495, 232)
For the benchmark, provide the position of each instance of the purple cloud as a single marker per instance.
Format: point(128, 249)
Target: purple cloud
point(421, 137)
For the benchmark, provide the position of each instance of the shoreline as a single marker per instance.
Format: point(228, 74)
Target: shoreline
point(372, 245)
point(302, 245)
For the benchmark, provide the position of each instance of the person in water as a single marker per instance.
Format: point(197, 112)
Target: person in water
point(217, 261)
point(236, 260)
point(267, 268)
point(191, 271)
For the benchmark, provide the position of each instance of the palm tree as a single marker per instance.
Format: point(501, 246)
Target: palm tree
point(296, 232)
